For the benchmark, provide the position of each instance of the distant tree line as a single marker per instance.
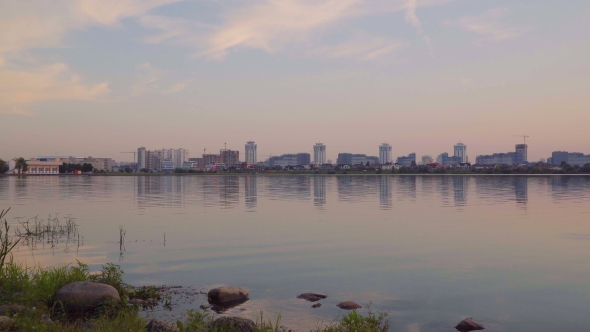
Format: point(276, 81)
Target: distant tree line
point(70, 168)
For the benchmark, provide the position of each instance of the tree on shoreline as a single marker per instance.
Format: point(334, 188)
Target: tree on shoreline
point(3, 166)
point(20, 164)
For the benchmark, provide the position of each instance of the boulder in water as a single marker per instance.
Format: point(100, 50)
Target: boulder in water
point(228, 296)
point(312, 297)
point(349, 305)
point(468, 324)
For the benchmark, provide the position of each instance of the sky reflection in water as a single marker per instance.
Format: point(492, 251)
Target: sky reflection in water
point(511, 251)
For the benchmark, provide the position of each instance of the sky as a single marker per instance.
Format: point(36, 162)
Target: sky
point(96, 78)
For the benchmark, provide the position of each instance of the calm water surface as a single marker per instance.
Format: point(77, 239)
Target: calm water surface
point(511, 251)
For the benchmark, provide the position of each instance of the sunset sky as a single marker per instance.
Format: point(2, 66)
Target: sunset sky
point(97, 77)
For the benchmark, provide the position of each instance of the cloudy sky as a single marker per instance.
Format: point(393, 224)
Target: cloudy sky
point(96, 77)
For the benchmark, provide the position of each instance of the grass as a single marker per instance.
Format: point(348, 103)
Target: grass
point(34, 289)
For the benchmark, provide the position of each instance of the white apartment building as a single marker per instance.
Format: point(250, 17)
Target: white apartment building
point(461, 152)
point(384, 153)
point(319, 154)
point(251, 152)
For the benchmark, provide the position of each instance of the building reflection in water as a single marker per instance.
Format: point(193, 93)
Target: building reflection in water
point(405, 187)
point(229, 191)
point(521, 189)
point(159, 191)
point(251, 191)
point(291, 187)
point(385, 200)
point(460, 189)
point(319, 191)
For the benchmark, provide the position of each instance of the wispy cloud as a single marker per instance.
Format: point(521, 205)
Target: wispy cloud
point(413, 19)
point(15, 111)
point(179, 86)
point(19, 89)
point(360, 46)
point(490, 24)
point(29, 25)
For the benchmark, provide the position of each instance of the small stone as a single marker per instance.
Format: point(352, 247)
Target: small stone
point(317, 305)
point(227, 296)
point(205, 306)
point(232, 324)
point(137, 302)
point(5, 321)
point(156, 325)
point(11, 309)
point(468, 324)
point(349, 305)
point(312, 297)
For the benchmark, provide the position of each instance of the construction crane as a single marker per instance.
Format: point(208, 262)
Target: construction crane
point(133, 158)
point(524, 137)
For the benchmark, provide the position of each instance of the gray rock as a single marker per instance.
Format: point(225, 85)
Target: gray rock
point(227, 296)
point(11, 309)
point(205, 306)
point(156, 325)
point(85, 296)
point(5, 321)
point(468, 324)
point(233, 324)
point(349, 305)
point(312, 297)
point(317, 305)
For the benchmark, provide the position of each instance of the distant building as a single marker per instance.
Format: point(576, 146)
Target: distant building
point(444, 159)
point(384, 153)
point(407, 160)
point(426, 160)
point(141, 158)
point(251, 152)
point(373, 160)
point(37, 167)
point(179, 156)
point(229, 157)
point(319, 154)
point(570, 158)
point(521, 154)
point(461, 152)
point(168, 166)
point(290, 160)
point(355, 159)
point(558, 157)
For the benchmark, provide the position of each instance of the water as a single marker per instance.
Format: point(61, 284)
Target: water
point(511, 251)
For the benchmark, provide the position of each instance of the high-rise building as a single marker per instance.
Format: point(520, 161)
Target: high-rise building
point(319, 154)
point(384, 153)
point(251, 153)
point(230, 157)
point(407, 160)
point(461, 152)
point(179, 156)
point(521, 153)
point(141, 161)
point(426, 159)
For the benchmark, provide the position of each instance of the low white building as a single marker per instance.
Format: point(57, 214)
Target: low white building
point(390, 166)
point(36, 167)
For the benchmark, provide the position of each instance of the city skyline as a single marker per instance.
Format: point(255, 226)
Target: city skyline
point(91, 78)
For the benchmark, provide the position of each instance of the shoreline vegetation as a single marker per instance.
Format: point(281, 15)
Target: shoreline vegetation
point(72, 298)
